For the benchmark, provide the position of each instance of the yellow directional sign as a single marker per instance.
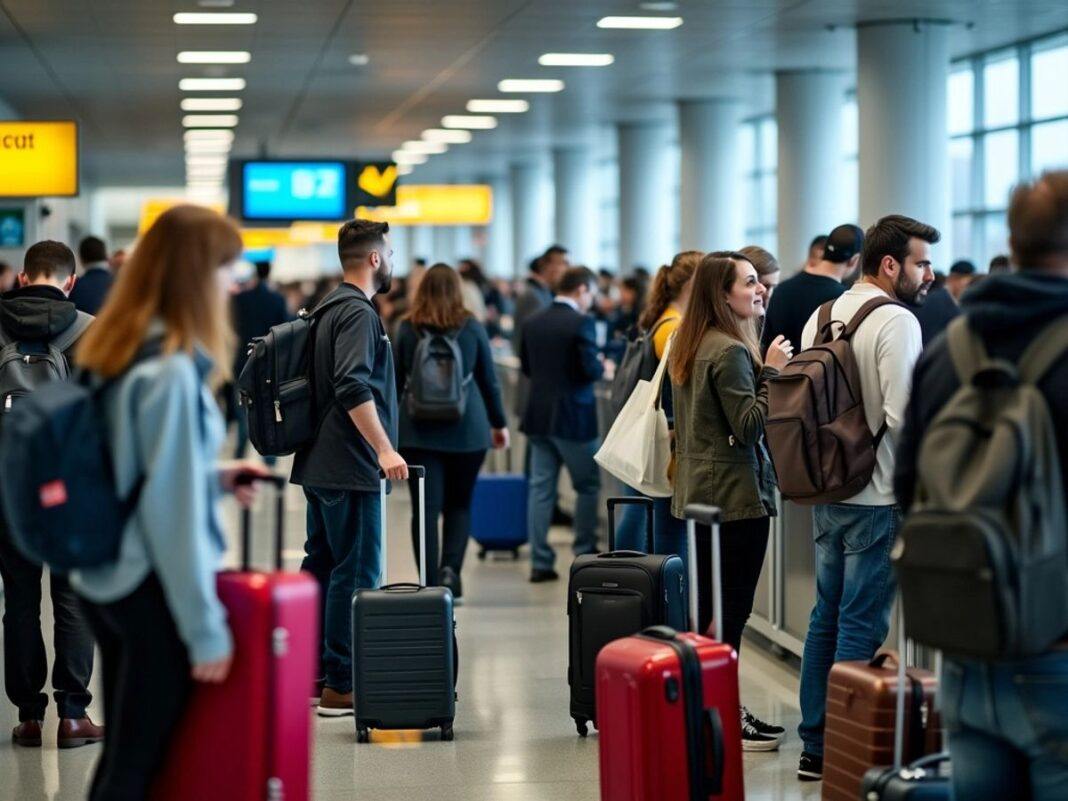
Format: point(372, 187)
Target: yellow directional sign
point(155, 206)
point(376, 182)
point(444, 204)
point(38, 159)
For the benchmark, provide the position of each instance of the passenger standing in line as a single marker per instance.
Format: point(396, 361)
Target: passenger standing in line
point(92, 288)
point(797, 297)
point(155, 614)
point(815, 251)
point(561, 359)
point(38, 311)
point(999, 264)
point(768, 270)
point(853, 539)
point(661, 317)
point(7, 277)
point(356, 396)
point(720, 386)
point(943, 304)
point(452, 452)
point(545, 271)
point(1007, 722)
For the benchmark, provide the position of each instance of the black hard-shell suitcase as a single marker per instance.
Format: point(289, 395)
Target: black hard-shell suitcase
point(404, 657)
point(617, 594)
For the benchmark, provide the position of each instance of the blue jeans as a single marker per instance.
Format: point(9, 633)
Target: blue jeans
point(1008, 727)
point(344, 553)
point(854, 595)
point(547, 456)
point(669, 533)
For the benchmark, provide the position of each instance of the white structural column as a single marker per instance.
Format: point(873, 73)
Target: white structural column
point(576, 203)
point(902, 69)
point(421, 242)
point(646, 182)
point(444, 244)
point(499, 257)
point(531, 213)
point(808, 112)
point(711, 209)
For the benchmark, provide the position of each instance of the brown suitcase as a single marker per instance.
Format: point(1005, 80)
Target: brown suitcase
point(859, 734)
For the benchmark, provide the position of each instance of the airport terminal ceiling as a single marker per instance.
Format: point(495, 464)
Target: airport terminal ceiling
point(111, 64)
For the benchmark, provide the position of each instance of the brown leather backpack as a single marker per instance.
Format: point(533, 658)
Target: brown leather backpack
point(817, 433)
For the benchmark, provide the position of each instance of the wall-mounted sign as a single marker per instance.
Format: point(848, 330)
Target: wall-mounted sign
point(155, 206)
point(12, 228)
point(445, 204)
point(376, 184)
point(38, 159)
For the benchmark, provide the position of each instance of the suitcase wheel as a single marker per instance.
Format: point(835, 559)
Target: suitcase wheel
point(447, 734)
point(363, 734)
point(582, 727)
point(482, 554)
point(515, 554)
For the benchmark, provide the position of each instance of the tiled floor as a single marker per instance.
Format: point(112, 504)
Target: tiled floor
point(514, 738)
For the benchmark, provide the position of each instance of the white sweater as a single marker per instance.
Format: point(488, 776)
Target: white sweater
point(886, 347)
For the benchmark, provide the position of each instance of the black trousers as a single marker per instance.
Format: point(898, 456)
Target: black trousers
point(146, 686)
point(450, 482)
point(743, 544)
point(25, 661)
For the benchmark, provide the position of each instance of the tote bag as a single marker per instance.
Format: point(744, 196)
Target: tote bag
point(637, 448)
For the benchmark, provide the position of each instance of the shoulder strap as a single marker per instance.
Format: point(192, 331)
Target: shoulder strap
point(656, 326)
point(1044, 350)
point(864, 311)
point(966, 349)
point(4, 338)
point(63, 342)
point(327, 303)
point(823, 322)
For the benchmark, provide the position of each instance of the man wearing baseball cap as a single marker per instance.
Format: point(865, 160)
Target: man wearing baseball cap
point(797, 297)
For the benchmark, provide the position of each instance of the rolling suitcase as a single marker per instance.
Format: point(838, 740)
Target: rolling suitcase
point(404, 658)
point(871, 723)
point(616, 594)
point(499, 513)
point(670, 719)
point(250, 737)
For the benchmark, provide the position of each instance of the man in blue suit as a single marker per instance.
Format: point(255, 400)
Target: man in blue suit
point(92, 288)
point(560, 357)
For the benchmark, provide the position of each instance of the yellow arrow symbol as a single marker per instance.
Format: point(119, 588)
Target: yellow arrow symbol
point(375, 182)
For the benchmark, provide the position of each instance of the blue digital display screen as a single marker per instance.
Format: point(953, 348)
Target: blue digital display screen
point(299, 190)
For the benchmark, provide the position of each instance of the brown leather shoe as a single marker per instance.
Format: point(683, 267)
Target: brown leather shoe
point(333, 704)
point(27, 734)
point(76, 732)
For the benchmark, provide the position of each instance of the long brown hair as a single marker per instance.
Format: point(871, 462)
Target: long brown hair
point(762, 260)
point(439, 300)
point(670, 280)
point(171, 275)
point(708, 308)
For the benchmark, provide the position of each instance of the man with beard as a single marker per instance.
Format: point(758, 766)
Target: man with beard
point(854, 582)
point(356, 400)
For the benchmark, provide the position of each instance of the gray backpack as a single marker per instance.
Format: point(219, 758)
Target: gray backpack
point(437, 387)
point(639, 362)
point(983, 556)
point(24, 366)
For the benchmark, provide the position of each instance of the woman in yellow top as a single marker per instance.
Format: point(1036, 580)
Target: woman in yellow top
point(662, 315)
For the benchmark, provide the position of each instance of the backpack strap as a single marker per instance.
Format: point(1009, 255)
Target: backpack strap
point(1044, 350)
point(67, 338)
point(864, 311)
point(966, 349)
point(824, 334)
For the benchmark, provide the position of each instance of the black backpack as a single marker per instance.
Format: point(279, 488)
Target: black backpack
point(639, 363)
point(437, 387)
point(25, 366)
point(276, 387)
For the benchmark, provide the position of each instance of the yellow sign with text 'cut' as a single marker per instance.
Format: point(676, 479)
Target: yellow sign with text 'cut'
point(38, 159)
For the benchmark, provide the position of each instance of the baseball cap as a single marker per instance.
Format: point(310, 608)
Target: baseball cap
point(962, 267)
point(843, 243)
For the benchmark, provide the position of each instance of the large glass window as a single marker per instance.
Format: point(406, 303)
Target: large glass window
point(1049, 85)
point(760, 144)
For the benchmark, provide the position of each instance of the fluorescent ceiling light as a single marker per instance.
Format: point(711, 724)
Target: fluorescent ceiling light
point(207, 148)
point(498, 106)
point(640, 23)
point(211, 104)
point(211, 84)
point(209, 135)
point(474, 123)
point(408, 157)
point(206, 159)
point(531, 85)
point(452, 137)
point(214, 57)
point(430, 148)
point(359, 59)
point(206, 167)
point(576, 59)
point(187, 18)
point(209, 120)
point(404, 169)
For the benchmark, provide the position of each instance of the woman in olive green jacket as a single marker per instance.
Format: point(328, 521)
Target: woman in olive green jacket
point(719, 381)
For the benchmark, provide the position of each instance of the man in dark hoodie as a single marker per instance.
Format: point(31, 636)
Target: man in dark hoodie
point(1007, 721)
point(34, 313)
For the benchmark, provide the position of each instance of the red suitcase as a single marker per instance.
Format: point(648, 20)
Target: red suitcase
point(670, 714)
point(249, 738)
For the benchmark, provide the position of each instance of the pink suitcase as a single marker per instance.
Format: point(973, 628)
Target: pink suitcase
point(250, 738)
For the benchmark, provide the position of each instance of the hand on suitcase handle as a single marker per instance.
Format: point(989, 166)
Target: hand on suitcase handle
point(702, 513)
point(414, 471)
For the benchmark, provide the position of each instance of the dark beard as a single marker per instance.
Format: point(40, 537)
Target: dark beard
point(383, 281)
point(914, 295)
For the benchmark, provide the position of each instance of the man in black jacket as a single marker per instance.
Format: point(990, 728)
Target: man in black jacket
point(93, 287)
point(35, 313)
point(560, 357)
point(992, 711)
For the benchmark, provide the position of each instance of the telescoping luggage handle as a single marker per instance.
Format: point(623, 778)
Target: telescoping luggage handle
point(709, 516)
point(279, 484)
point(420, 474)
point(902, 661)
point(637, 500)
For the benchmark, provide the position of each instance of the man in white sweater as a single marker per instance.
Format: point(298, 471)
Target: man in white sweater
point(854, 582)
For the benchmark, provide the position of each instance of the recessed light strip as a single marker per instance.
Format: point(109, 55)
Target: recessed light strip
point(211, 84)
point(531, 85)
point(449, 136)
point(214, 57)
point(211, 104)
point(469, 122)
point(209, 120)
point(576, 59)
point(429, 148)
point(193, 18)
point(640, 23)
point(408, 157)
point(498, 106)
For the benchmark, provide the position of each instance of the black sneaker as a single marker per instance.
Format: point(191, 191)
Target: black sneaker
point(753, 740)
point(764, 728)
point(451, 580)
point(539, 575)
point(810, 768)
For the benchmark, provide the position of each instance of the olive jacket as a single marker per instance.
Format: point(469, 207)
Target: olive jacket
point(721, 458)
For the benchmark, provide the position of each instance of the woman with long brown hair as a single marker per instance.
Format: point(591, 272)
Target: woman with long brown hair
point(452, 451)
point(163, 340)
point(720, 387)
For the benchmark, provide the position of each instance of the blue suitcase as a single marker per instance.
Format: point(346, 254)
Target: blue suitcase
point(499, 513)
point(923, 780)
